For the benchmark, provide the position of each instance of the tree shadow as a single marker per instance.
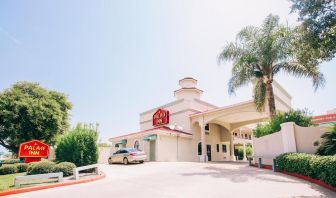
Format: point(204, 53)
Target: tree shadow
point(240, 173)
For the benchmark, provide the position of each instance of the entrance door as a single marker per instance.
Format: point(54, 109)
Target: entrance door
point(152, 150)
point(209, 152)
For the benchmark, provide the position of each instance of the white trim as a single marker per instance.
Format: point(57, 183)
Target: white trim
point(163, 106)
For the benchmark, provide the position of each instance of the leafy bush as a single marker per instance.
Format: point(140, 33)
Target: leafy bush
point(314, 166)
point(79, 146)
point(21, 167)
point(41, 167)
point(11, 161)
point(65, 167)
point(30, 166)
point(328, 142)
point(299, 117)
point(8, 169)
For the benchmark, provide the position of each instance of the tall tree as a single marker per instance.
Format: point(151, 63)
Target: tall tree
point(29, 111)
point(259, 54)
point(316, 38)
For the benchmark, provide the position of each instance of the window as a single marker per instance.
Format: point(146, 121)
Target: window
point(235, 134)
point(224, 148)
point(217, 147)
point(199, 148)
point(249, 136)
point(136, 145)
point(245, 136)
point(206, 128)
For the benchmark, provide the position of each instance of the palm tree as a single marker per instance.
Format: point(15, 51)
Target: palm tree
point(328, 143)
point(260, 53)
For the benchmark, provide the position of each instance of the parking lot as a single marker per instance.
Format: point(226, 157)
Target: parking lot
point(187, 179)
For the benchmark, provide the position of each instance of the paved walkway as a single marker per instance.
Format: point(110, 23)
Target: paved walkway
point(187, 179)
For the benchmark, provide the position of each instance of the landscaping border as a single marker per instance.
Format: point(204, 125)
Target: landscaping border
point(315, 181)
point(54, 185)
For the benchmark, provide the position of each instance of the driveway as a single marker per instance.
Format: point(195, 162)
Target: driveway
point(187, 179)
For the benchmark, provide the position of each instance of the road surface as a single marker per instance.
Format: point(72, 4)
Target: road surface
point(186, 179)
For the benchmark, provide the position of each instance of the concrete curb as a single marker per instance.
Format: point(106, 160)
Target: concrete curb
point(303, 177)
point(67, 183)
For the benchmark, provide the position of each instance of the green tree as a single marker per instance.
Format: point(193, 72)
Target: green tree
point(259, 54)
point(29, 111)
point(328, 143)
point(78, 146)
point(316, 38)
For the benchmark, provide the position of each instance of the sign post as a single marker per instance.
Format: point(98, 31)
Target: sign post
point(33, 151)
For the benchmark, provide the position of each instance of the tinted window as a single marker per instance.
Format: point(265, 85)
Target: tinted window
point(224, 148)
point(131, 150)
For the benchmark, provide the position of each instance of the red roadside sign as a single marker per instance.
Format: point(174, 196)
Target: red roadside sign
point(33, 150)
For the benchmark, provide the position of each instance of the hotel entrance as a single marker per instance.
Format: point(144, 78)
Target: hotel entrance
point(209, 152)
point(152, 148)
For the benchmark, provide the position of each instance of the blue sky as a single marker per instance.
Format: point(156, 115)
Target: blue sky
point(115, 59)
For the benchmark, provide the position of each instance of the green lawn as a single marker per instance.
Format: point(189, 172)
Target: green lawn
point(7, 181)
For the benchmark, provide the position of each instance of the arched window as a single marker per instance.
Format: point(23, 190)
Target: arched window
point(200, 148)
point(136, 145)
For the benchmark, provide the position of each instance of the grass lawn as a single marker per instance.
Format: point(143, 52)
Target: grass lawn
point(7, 181)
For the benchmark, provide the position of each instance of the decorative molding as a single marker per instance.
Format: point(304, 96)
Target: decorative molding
point(163, 106)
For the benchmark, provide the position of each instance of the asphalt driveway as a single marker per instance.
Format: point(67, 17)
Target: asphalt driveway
point(187, 179)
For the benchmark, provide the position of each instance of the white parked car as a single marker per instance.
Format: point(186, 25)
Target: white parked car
point(127, 155)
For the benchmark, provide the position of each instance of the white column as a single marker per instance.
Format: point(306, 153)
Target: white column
point(233, 158)
point(288, 137)
point(203, 158)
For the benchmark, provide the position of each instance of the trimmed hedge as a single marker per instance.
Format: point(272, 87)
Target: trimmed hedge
point(314, 166)
point(21, 167)
point(41, 168)
point(8, 169)
point(65, 167)
point(10, 161)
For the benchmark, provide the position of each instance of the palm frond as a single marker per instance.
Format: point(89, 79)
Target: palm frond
point(241, 76)
point(298, 70)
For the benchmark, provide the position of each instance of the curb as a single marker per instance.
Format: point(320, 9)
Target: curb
point(67, 183)
point(303, 177)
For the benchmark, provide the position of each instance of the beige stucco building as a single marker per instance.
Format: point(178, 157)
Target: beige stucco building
point(190, 129)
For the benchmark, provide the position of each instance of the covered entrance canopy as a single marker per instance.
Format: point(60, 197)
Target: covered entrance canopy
point(231, 118)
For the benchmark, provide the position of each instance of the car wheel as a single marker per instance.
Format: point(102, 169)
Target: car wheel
point(125, 161)
point(141, 162)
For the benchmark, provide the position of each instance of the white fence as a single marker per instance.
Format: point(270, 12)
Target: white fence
point(93, 166)
point(22, 179)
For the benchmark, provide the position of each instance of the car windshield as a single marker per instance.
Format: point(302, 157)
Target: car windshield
point(131, 150)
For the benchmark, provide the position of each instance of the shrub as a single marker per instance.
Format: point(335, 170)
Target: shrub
point(30, 166)
point(8, 169)
point(79, 146)
point(11, 161)
point(21, 167)
point(41, 168)
point(65, 167)
point(314, 166)
point(328, 142)
point(299, 117)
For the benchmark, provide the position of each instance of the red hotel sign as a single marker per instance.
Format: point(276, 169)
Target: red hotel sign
point(34, 149)
point(160, 117)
